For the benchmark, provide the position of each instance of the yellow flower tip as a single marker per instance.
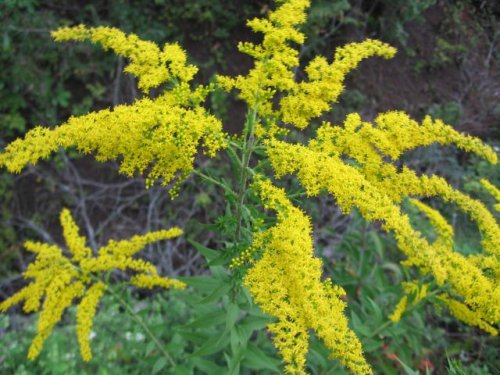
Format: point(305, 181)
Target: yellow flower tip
point(32, 246)
point(35, 349)
point(225, 82)
point(440, 224)
point(309, 99)
point(349, 56)
point(152, 65)
point(414, 293)
point(85, 314)
point(151, 281)
point(75, 242)
point(13, 300)
point(127, 248)
point(495, 192)
point(462, 312)
point(399, 310)
point(76, 33)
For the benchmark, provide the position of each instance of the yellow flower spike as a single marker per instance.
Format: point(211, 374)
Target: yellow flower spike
point(59, 296)
point(20, 296)
point(104, 263)
point(43, 249)
point(85, 313)
point(440, 224)
point(150, 281)
point(275, 59)
point(58, 279)
point(395, 133)
point(407, 182)
point(267, 283)
point(35, 291)
point(414, 293)
point(286, 283)
point(466, 315)
point(392, 134)
point(131, 246)
point(318, 171)
point(405, 134)
point(493, 191)
point(399, 310)
point(47, 256)
point(309, 99)
point(161, 136)
point(75, 242)
point(151, 65)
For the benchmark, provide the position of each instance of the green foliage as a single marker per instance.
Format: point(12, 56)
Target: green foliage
point(214, 328)
point(455, 367)
point(446, 53)
point(390, 18)
point(207, 331)
point(450, 112)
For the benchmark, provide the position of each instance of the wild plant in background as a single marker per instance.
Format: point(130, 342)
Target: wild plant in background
point(355, 163)
point(60, 279)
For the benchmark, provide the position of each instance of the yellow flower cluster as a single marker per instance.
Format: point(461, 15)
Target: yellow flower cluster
point(161, 136)
point(493, 191)
point(59, 279)
point(149, 63)
point(275, 60)
point(369, 182)
point(286, 281)
point(158, 136)
point(377, 196)
point(309, 99)
point(85, 313)
point(443, 229)
point(414, 293)
point(395, 133)
point(465, 314)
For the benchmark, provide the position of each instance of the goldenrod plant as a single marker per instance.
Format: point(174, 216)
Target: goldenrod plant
point(357, 162)
point(58, 279)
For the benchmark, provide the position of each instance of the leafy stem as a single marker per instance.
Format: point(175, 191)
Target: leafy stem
point(214, 181)
point(143, 324)
point(410, 308)
point(248, 145)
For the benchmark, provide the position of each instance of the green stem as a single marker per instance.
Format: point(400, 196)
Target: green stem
point(389, 322)
point(234, 144)
point(141, 322)
point(381, 328)
point(248, 144)
point(214, 181)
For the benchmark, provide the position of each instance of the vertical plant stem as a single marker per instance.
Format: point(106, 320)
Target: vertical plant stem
point(144, 326)
point(248, 143)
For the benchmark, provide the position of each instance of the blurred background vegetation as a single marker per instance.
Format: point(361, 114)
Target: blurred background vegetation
point(447, 66)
